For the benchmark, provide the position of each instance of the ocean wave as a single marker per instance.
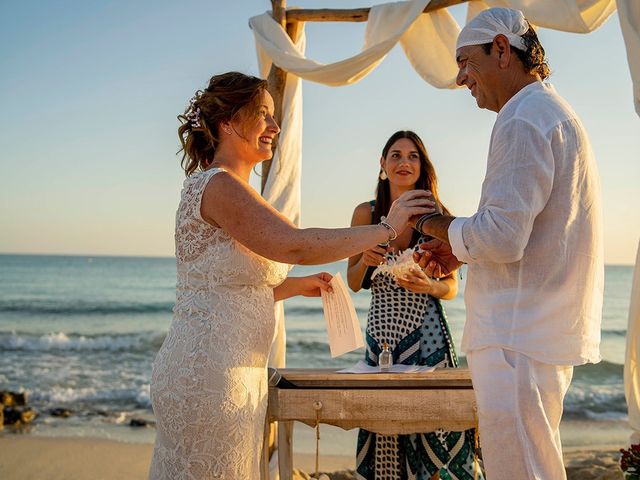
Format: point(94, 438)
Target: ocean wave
point(617, 333)
point(599, 372)
point(595, 402)
point(140, 341)
point(138, 396)
point(75, 308)
point(306, 346)
point(301, 310)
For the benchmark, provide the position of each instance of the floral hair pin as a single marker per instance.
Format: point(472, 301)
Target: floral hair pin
point(193, 113)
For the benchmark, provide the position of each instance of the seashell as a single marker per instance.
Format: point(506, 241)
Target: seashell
point(398, 266)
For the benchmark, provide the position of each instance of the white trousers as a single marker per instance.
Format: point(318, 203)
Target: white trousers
point(519, 409)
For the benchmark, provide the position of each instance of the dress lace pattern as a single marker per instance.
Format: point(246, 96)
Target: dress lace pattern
point(209, 380)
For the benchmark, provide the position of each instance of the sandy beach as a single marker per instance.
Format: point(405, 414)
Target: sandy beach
point(27, 457)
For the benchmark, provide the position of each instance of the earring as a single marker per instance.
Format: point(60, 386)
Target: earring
point(227, 131)
point(383, 175)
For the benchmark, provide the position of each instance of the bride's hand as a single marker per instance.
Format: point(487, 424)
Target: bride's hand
point(374, 256)
point(312, 285)
point(411, 204)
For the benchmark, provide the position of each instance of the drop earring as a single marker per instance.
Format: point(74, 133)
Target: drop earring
point(383, 174)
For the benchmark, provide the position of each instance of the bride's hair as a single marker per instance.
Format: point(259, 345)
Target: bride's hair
point(223, 100)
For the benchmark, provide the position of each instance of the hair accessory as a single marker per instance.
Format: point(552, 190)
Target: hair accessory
point(392, 232)
point(383, 174)
point(193, 112)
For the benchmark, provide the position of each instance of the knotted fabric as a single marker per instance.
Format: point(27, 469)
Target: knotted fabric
point(490, 23)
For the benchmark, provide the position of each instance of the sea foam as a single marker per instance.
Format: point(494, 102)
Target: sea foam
point(61, 341)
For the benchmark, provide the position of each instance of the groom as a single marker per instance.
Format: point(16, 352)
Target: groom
point(533, 249)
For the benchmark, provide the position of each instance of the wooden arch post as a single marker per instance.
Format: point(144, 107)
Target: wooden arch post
point(277, 77)
point(292, 22)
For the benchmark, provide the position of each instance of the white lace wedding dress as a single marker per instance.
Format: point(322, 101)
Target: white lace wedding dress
point(209, 381)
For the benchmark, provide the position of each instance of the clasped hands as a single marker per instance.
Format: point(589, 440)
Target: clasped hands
point(434, 258)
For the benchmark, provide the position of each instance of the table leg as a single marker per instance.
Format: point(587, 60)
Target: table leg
point(264, 461)
point(285, 450)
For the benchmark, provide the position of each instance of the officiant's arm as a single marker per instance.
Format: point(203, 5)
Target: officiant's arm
point(359, 263)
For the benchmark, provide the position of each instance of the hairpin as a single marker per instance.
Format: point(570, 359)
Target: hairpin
point(193, 112)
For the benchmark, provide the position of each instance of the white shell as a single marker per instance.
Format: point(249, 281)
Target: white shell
point(398, 266)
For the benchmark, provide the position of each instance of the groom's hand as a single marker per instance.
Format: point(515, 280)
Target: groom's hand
point(437, 260)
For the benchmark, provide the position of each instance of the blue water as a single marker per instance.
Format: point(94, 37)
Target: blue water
point(81, 333)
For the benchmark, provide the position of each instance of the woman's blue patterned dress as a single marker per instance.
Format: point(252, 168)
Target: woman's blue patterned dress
point(415, 327)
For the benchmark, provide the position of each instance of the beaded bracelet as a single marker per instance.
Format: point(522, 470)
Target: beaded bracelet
point(392, 232)
point(423, 219)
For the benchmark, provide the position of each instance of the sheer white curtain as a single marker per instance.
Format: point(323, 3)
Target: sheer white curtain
point(631, 367)
point(629, 15)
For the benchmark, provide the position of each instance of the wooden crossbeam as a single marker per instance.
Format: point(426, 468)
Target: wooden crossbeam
point(353, 14)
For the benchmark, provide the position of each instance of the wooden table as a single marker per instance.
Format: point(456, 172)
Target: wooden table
point(397, 403)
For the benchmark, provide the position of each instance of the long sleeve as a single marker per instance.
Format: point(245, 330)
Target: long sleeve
point(516, 188)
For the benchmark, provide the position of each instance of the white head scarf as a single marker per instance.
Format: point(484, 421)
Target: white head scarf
point(489, 23)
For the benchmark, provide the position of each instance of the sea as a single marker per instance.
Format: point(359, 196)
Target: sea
point(80, 333)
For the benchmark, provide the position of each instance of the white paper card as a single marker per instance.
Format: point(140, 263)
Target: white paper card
point(362, 367)
point(340, 316)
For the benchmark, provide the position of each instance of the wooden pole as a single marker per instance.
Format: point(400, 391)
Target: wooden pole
point(354, 14)
point(276, 79)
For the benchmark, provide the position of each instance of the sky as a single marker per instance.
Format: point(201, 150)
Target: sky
point(90, 91)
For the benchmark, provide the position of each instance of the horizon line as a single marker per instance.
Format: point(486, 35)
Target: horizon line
point(109, 255)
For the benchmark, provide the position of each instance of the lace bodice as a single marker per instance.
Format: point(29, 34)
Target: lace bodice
point(203, 248)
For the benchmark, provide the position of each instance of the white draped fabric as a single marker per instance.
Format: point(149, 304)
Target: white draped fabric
point(576, 16)
point(629, 15)
point(386, 27)
point(428, 41)
point(282, 189)
point(631, 366)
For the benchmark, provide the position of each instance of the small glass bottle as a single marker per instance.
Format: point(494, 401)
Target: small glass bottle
point(385, 360)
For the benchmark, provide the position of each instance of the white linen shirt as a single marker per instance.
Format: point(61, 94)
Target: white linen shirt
point(534, 247)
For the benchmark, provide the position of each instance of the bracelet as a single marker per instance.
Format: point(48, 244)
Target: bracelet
point(423, 219)
point(392, 232)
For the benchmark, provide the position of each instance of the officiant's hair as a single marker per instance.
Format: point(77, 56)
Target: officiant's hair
point(223, 100)
point(427, 180)
point(533, 57)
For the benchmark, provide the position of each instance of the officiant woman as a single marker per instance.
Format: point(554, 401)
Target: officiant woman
point(233, 251)
point(406, 314)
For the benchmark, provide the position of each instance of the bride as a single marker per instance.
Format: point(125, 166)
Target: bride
point(209, 380)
